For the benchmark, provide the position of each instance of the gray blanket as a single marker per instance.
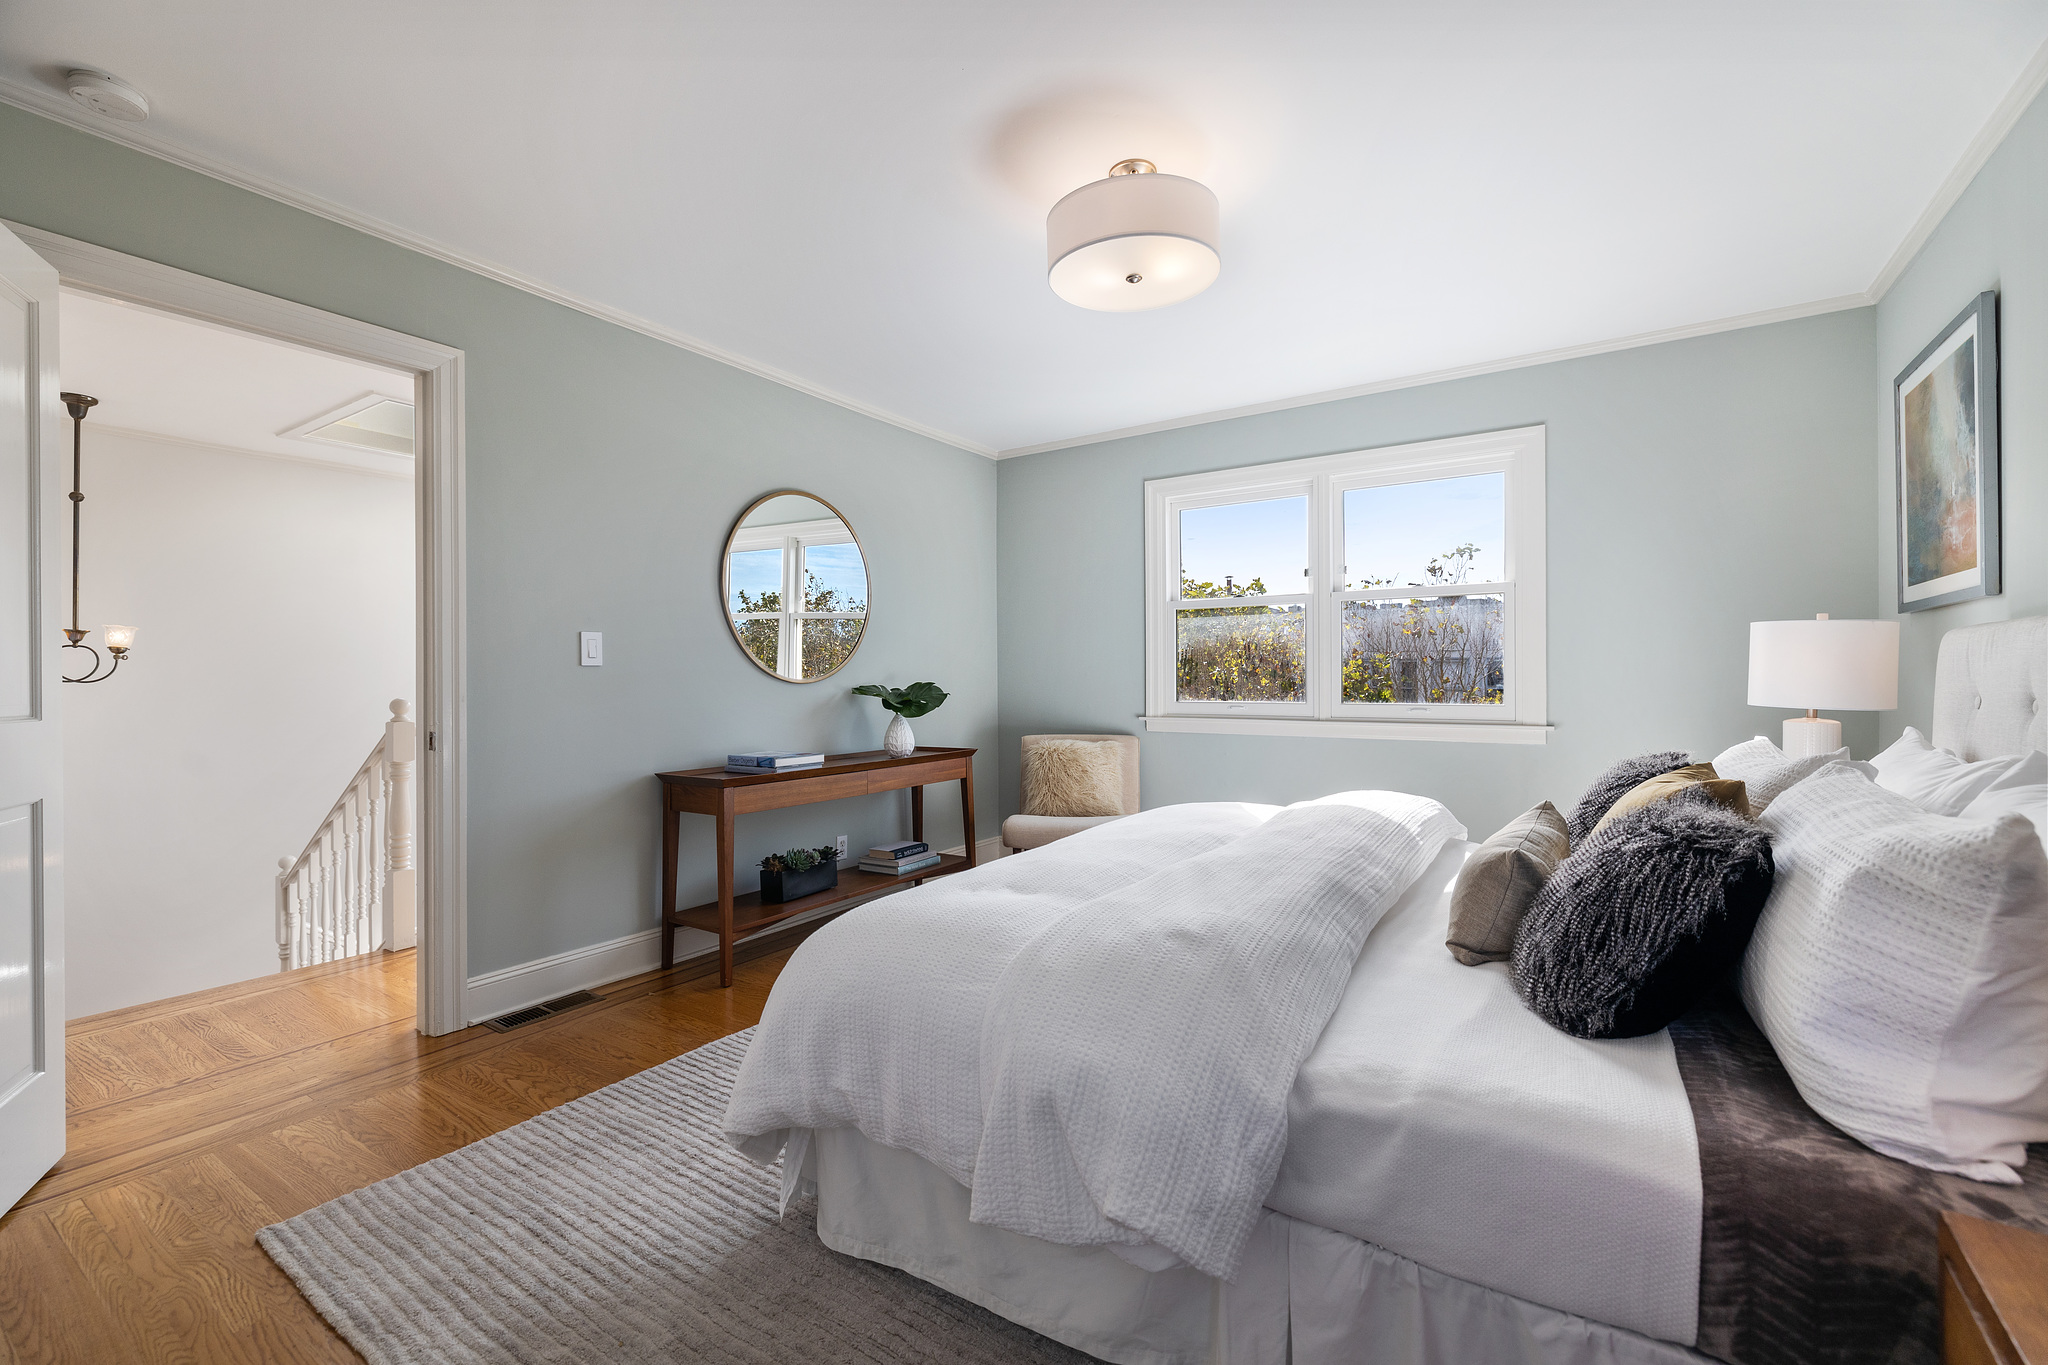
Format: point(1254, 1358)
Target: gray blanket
point(1814, 1250)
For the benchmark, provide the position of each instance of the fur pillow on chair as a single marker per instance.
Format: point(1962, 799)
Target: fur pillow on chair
point(1073, 777)
point(1636, 925)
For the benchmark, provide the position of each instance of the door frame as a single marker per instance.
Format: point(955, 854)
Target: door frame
point(440, 565)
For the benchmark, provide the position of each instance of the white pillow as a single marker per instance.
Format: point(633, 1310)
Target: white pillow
point(1935, 779)
point(1900, 968)
point(2023, 790)
point(1767, 771)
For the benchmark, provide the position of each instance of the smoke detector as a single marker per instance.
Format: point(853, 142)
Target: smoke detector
point(107, 97)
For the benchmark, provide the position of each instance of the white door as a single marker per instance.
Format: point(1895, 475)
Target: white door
point(33, 578)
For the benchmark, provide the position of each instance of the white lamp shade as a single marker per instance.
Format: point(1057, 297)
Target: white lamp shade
point(1162, 229)
point(1824, 665)
point(119, 637)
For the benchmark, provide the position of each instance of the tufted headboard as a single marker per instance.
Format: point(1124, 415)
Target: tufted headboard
point(1991, 689)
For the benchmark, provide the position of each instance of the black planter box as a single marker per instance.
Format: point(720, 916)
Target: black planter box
point(777, 887)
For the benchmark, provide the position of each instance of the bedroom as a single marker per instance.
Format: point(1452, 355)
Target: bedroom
point(753, 267)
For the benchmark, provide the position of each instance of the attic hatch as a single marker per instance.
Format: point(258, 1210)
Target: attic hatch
point(372, 422)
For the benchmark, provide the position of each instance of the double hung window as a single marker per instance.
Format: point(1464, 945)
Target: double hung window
point(798, 594)
point(1392, 593)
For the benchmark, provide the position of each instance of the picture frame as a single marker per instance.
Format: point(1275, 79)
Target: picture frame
point(1945, 428)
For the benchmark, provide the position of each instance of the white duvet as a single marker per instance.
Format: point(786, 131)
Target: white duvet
point(1097, 1038)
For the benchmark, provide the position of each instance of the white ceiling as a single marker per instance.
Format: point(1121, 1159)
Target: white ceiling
point(855, 195)
point(170, 376)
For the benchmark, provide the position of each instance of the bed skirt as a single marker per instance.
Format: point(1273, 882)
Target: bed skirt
point(1303, 1294)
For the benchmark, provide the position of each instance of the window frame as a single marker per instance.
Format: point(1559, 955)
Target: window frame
point(794, 539)
point(1521, 716)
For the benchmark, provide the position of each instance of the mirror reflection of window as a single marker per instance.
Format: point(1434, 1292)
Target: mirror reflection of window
point(796, 588)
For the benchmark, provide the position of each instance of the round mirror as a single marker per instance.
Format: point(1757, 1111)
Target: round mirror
point(795, 586)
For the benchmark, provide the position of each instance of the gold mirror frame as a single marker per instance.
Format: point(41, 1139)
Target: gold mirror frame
point(725, 582)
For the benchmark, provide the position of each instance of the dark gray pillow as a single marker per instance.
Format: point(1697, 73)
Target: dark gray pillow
point(1616, 782)
point(1637, 925)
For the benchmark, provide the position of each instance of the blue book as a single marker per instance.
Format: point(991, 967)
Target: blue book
point(897, 852)
point(773, 758)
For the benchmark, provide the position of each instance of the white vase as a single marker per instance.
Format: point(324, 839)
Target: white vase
point(898, 741)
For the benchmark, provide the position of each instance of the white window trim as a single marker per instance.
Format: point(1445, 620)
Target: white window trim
point(1522, 718)
point(792, 538)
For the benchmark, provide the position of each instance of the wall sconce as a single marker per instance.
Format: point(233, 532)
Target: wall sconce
point(119, 639)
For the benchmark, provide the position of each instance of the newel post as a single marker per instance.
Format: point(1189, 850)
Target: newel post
point(401, 881)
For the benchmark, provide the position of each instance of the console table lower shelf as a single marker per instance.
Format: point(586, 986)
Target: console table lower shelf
point(750, 916)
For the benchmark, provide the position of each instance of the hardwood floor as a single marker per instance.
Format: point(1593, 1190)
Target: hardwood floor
point(196, 1121)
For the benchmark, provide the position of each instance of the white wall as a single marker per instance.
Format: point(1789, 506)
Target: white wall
point(275, 607)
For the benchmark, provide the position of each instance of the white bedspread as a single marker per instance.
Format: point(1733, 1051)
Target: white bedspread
point(1440, 1119)
point(1096, 1038)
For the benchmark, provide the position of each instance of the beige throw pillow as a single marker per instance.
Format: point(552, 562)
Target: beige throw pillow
point(1500, 880)
point(1726, 792)
point(1073, 777)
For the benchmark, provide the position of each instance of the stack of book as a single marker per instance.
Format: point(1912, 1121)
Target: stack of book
point(771, 761)
point(900, 860)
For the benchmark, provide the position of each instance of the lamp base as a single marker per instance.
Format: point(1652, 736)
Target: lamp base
point(1806, 738)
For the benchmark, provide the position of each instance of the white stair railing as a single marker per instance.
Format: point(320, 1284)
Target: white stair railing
point(354, 888)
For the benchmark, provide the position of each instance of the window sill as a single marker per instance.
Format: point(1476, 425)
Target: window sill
point(1456, 732)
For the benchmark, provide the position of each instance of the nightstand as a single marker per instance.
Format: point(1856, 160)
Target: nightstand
point(1994, 1293)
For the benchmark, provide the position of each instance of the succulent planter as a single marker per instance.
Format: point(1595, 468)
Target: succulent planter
point(777, 887)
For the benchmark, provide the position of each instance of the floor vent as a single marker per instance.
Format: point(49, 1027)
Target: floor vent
point(533, 1014)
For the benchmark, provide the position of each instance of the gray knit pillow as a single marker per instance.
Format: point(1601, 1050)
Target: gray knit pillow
point(1618, 780)
point(1637, 925)
point(1500, 880)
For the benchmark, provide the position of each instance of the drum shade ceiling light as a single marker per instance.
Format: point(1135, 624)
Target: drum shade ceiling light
point(1133, 241)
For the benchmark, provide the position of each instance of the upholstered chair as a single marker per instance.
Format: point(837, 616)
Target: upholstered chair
point(1021, 832)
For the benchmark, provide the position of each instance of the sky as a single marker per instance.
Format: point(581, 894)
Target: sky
point(1391, 531)
point(836, 566)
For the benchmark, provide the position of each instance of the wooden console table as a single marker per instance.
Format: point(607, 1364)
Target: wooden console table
point(725, 796)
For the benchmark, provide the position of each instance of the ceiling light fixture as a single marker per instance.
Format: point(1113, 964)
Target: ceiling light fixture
point(119, 639)
point(1133, 241)
point(106, 96)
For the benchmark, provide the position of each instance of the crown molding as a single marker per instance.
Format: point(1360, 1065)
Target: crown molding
point(1696, 329)
point(52, 106)
point(342, 465)
point(2031, 80)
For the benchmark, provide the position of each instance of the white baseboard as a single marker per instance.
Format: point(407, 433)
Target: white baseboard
point(579, 969)
point(599, 964)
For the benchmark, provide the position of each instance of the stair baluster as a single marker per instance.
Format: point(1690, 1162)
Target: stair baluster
point(353, 888)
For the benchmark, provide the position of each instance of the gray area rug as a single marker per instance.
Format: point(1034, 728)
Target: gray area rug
point(618, 1228)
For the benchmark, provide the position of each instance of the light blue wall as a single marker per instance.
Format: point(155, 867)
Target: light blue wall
point(1694, 486)
point(604, 469)
point(1996, 237)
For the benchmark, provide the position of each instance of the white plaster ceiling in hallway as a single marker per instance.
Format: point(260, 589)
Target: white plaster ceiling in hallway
point(164, 375)
point(855, 195)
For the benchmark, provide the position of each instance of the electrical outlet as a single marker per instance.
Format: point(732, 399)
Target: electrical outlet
point(842, 848)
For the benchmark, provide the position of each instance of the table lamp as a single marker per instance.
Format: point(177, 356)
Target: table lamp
point(1822, 665)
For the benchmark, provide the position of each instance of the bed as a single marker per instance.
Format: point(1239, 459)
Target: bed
point(1458, 1182)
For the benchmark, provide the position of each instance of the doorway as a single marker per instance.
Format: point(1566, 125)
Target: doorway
point(431, 375)
point(230, 778)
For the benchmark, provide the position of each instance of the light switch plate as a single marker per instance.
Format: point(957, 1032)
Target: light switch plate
point(590, 648)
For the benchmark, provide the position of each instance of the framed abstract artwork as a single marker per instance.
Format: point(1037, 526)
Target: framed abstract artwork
point(1945, 414)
